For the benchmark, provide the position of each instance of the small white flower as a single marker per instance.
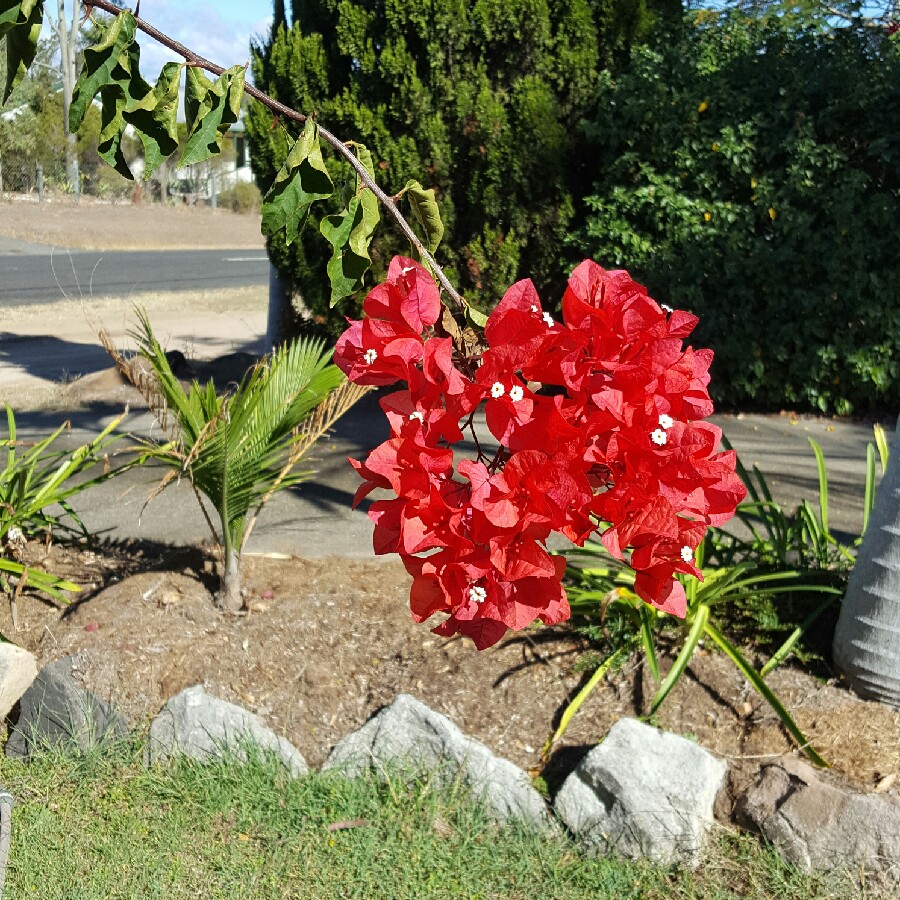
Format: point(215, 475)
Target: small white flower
point(534, 309)
point(417, 415)
point(497, 390)
point(370, 356)
point(667, 309)
point(687, 554)
point(666, 421)
point(407, 269)
point(549, 320)
point(659, 437)
point(516, 393)
point(477, 594)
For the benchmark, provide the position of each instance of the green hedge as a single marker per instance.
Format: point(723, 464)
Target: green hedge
point(750, 173)
point(480, 100)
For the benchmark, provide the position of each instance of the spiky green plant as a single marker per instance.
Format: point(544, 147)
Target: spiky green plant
point(239, 448)
point(36, 482)
point(785, 555)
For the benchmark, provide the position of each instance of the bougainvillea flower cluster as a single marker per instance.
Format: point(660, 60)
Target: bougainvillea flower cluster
point(599, 421)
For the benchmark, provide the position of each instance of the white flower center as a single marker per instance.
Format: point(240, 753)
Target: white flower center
point(666, 421)
point(477, 594)
point(659, 437)
point(370, 356)
point(497, 390)
point(417, 415)
point(687, 554)
point(549, 320)
point(666, 308)
point(516, 393)
point(407, 269)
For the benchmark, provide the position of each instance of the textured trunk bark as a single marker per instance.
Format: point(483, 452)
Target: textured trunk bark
point(867, 638)
point(230, 597)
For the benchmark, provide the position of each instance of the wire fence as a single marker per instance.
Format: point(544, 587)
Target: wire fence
point(205, 184)
point(28, 178)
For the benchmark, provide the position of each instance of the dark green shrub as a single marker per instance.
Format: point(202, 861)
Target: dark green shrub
point(477, 100)
point(750, 173)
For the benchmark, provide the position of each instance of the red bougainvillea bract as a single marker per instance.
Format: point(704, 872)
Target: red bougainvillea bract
point(618, 445)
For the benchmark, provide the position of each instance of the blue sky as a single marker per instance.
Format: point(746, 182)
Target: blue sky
point(220, 30)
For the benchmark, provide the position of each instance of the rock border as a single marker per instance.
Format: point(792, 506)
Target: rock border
point(640, 793)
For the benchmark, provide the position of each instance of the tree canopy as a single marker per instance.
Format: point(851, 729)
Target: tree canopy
point(478, 101)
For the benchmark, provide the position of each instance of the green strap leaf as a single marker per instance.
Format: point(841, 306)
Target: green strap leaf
point(154, 118)
point(425, 210)
point(701, 617)
point(301, 181)
point(580, 697)
point(756, 680)
point(349, 233)
point(210, 109)
point(21, 22)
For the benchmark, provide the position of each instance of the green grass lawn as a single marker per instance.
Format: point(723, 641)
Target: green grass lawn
point(102, 826)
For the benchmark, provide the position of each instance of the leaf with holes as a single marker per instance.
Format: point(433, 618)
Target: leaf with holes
point(21, 23)
point(129, 91)
point(301, 181)
point(210, 109)
point(349, 233)
point(425, 210)
point(106, 63)
point(154, 118)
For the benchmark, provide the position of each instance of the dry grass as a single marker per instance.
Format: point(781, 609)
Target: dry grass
point(91, 225)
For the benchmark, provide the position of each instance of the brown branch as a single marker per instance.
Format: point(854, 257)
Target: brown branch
point(194, 59)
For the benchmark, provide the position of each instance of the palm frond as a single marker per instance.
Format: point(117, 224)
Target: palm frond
point(240, 448)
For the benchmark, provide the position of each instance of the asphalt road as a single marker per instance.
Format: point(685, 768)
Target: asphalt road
point(33, 274)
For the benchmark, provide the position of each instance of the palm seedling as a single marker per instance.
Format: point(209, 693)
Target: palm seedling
point(239, 448)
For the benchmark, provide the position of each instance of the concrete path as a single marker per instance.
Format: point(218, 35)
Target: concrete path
point(316, 520)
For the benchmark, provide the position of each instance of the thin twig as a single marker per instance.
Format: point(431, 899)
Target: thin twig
point(200, 62)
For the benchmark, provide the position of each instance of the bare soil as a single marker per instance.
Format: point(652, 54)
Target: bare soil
point(96, 225)
point(327, 643)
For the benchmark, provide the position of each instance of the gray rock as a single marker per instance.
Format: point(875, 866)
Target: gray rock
point(643, 792)
point(56, 711)
point(196, 724)
point(18, 668)
point(409, 738)
point(820, 826)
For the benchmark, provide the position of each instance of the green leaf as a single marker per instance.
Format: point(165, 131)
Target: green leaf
point(349, 233)
point(154, 118)
point(22, 23)
point(10, 13)
point(106, 63)
point(823, 484)
point(701, 617)
point(475, 318)
point(756, 680)
point(425, 210)
point(301, 181)
point(210, 109)
point(112, 69)
point(581, 696)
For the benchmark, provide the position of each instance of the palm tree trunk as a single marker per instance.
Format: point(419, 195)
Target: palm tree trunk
point(867, 637)
point(230, 597)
